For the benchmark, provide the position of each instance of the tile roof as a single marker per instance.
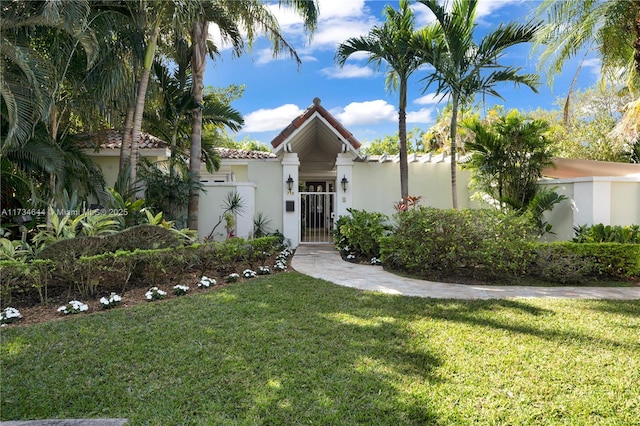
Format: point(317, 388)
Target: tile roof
point(308, 113)
point(242, 154)
point(112, 139)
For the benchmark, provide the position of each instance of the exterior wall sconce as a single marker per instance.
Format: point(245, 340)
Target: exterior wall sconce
point(344, 183)
point(289, 183)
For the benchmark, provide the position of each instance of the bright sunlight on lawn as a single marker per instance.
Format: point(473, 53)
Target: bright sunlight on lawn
point(289, 349)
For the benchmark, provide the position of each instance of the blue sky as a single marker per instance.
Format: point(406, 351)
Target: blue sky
point(277, 90)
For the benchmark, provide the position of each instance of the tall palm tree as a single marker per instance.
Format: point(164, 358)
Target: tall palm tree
point(390, 44)
point(254, 17)
point(29, 77)
point(612, 28)
point(463, 68)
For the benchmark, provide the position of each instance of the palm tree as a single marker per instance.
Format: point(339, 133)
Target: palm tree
point(612, 28)
point(463, 68)
point(254, 17)
point(390, 44)
point(29, 77)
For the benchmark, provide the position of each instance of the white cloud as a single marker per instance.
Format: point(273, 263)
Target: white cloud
point(485, 8)
point(267, 120)
point(423, 116)
point(431, 99)
point(348, 71)
point(594, 66)
point(368, 112)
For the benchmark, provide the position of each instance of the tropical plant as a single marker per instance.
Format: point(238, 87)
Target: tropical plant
point(462, 67)
point(612, 29)
point(233, 205)
point(231, 16)
point(506, 158)
point(390, 44)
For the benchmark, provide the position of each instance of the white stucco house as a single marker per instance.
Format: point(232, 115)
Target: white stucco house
point(315, 173)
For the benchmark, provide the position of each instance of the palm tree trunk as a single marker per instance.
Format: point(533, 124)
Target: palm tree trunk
point(198, 63)
point(402, 136)
point(454, 125)
point(636, 44)
point(125, 148)
point(140, 99)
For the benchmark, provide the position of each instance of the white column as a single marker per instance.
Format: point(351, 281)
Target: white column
point(291, 199)
point(592, 200)
point(344, 170)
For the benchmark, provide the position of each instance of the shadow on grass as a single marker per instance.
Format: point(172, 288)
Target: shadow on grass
point(283, 350)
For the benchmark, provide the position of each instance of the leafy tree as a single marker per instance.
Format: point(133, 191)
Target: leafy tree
point(253, 16)
point(390, 44)
point(464, 68)
point(592, 115)
point(507, 157)
point(612, 29)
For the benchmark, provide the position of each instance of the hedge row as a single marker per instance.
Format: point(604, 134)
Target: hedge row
point(479, 244)
point(118, 271)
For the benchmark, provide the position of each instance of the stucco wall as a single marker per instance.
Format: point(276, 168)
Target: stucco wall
point(592, 200)
point(267, 175)
point(212, 206)
point(376, 186)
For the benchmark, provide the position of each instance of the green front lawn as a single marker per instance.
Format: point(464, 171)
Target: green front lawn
point(289, 349)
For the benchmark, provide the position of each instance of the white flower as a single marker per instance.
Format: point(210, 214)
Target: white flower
point(180, 290)
point(206, 282)
point(351, 256)
point(155, 293)
point(231, 278)
point(264, 270)
point(113, 300)
point(9, 315)
point(248, 273)
point(375, 261)
point(75, 307)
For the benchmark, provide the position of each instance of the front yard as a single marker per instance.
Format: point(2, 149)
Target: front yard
point(289, 349)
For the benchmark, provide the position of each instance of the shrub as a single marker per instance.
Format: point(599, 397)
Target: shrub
point(360, 233)
point(484, 244)
point(600, 233)
point(599, 260)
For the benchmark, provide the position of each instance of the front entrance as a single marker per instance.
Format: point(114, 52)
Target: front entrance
point(317, 207)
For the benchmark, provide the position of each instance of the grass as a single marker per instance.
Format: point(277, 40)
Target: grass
point(289, 349)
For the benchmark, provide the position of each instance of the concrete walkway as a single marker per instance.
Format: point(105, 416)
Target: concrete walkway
point(324, 261)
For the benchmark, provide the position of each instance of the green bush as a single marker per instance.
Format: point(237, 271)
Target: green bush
point(595, 260)
point(121, 270)
point(601, 233)
point(482, 244)
point(24, 280)
point(360, 233)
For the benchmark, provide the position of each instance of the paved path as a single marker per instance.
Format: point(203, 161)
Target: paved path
point(323, 261)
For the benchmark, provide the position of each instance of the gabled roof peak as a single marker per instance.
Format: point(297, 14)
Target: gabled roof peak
point(303, 119)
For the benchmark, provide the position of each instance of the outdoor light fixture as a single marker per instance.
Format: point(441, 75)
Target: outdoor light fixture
point(290, 184)
point(344, 183)
point(22, 221)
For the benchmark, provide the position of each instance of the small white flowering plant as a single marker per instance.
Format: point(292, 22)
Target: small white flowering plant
point(9, 315)
point(282, 259)
point(74, 307)
point(180, 290)
point(248, 273)
point(232, 278)
point(206, 282)
point(375, 261)
point(264, 270)
point(111, 301)
point(155, 293)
